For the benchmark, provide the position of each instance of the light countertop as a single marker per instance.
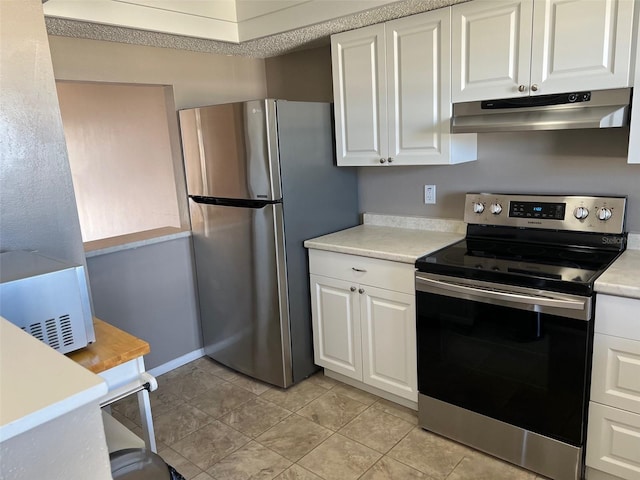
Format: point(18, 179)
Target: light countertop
point(388, 243)
point(405, 239)
point(37, 383)
point(622, 278)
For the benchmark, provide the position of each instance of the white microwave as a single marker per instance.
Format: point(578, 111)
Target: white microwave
point(47, 298)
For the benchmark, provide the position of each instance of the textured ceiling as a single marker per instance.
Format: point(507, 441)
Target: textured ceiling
point(302, 38)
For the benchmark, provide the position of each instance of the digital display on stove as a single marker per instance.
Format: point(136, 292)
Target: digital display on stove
point(552, 211)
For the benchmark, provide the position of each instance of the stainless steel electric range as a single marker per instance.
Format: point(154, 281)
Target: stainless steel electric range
point(505, 326)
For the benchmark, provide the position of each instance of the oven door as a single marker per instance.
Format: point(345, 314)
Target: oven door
point(513, 354)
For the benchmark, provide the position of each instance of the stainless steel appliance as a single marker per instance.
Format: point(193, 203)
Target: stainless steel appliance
point(47, 298)
point(505, 326)
point(571, 110)
point(261, 179)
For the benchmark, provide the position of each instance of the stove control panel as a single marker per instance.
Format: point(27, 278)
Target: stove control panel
point(571, 212)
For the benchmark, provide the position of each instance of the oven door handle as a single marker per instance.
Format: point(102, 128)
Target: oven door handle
point(502, 296)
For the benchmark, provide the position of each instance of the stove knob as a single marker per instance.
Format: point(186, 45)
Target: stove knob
point(581, 213)
point(496, 208)
point(478, 207)
point(604, 214)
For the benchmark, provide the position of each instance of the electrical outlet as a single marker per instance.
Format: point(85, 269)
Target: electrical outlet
point(429, 194)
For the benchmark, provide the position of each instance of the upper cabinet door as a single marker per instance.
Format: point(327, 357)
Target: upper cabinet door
point(491, 49)
point(581, 45)
point(418, 88)
point(359, 86)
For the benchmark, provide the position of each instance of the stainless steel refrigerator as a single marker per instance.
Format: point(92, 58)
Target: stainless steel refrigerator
point(261, 179)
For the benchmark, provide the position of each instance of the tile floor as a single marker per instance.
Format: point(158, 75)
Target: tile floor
point(213, 423)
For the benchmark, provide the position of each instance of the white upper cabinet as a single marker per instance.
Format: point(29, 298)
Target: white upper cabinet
point(392, 94)
point(491, 49)
point(505, 49)
point(360, 95)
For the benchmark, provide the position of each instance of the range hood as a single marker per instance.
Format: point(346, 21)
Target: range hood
point(574, 110)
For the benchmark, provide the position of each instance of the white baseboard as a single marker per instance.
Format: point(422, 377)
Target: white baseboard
point(177, 362)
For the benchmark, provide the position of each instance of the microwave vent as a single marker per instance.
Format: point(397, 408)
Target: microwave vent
point(53, 331)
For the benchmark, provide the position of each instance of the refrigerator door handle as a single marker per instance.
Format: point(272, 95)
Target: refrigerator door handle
point(233, 202)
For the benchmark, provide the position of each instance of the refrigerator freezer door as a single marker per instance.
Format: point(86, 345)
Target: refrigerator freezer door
point(242, 287)
point(231, 150)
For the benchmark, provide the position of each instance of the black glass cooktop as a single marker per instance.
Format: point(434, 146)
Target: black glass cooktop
point(549, 267)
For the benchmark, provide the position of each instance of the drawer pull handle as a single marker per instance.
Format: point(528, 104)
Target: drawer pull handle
point(358, 270)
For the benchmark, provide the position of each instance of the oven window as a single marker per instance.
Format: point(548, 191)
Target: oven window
point(523, 368)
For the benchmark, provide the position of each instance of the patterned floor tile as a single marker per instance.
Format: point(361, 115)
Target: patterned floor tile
point(177, 424)
point(332, 410)
point(254, 386)
point(407, 414)
point(428, 453)
point(355, 394)
point(255, 416)
point(339, 458)
point(389, 469)
point(161, 401)
point(190, 384)
point(294, 437)
point(296, 472)
point(322, 380)
point(376, 429)
point(295, 397)
point(221, 399)
point(482, 467)
point(253, 461)
point(210, 444)
point(182, 465)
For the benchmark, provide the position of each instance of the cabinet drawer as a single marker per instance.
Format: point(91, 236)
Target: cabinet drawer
point(618, 316)
point(616, 372)
point(613, 441)
point(363, 270)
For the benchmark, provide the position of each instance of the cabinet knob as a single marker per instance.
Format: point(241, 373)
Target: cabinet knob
point(361, 290)
point(389, 159)
point(521, 88)
point(353, 289)
point(383, 160)
point(534, 88)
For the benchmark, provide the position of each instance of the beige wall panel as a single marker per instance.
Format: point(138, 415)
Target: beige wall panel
point(120, 156)
point(198, 78)
point(301, 76)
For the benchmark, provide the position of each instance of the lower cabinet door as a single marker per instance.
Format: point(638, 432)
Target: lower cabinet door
point(335, 306)
point(389, 341)
point(613, 441)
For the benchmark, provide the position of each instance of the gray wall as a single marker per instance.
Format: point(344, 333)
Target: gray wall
point(37, 203)
point(301, 76)
point(149, 292)
point(578, 162)
point(573, 162)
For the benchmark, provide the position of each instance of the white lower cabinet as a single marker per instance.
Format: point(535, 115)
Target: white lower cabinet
point(363, 314)
point(613, 435)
